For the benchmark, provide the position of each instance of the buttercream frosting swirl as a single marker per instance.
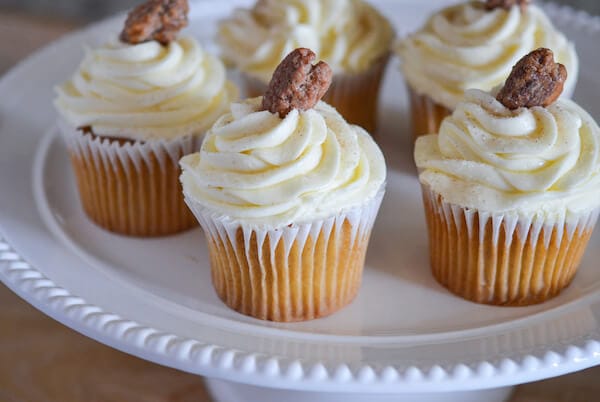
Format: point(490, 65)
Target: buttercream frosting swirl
point(529, 160)
point(146, 91)
point(465, 46)
point(257, 167)
point(350, 35)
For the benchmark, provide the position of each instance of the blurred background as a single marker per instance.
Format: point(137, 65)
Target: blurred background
point(33, 23)
point(89, 10)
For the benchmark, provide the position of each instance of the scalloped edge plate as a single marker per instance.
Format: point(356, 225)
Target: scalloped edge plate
point(561, 340)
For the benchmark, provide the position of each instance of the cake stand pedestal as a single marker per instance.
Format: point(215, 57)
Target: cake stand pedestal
point(225, 391)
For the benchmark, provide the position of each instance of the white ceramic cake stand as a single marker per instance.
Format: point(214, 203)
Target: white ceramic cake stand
point(403, 338)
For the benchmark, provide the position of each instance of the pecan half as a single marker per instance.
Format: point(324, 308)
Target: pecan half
point(296, 83)
point(506, 4)
point(159, 20)
point(536, 80)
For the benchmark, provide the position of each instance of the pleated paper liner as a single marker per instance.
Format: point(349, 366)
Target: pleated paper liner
point(504, 259)
point(293, 273)
point(427, 115)
point(130, 187)
point(355, 96)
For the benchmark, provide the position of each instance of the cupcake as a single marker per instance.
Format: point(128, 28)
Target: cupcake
point(350, 35)
point(287, 193)
point(473, 45)
point(511, 186)
point(133, 108)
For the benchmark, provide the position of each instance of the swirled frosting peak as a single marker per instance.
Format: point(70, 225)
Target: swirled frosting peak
point(466, 46)
point(350, 35)
point(258, 167)
point(146, 91)
point(529, 159)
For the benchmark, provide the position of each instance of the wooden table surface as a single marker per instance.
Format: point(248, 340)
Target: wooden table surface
point(43, 361)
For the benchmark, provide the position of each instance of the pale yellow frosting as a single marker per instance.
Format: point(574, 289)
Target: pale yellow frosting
point(146, 91)
point(256, 167)
point(466, 46)
point(350, 35)
point(529, 160)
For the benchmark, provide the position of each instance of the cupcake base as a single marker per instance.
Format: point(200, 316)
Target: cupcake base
point(355, 96)
point(503, 259)
point(129, 187)
point(427, 115)
point(294, 273)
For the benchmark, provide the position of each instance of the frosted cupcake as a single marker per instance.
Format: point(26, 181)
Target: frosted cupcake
point(287, 193)
point(133, 108)
point(511, 187)
point(350, 35)
point(473, 45)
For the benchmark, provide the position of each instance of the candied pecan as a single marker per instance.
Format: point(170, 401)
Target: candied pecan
point(296, 83)
point(506, 4)
point(536, 80)
point(159, 20)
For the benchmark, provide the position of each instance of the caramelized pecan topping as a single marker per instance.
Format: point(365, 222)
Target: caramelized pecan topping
point(159, 20)
point(296, 83)
point(536, 80)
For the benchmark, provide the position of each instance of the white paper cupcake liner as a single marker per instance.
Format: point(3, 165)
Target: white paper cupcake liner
point(291, 273)
point(504, 258)
point(130, 187)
